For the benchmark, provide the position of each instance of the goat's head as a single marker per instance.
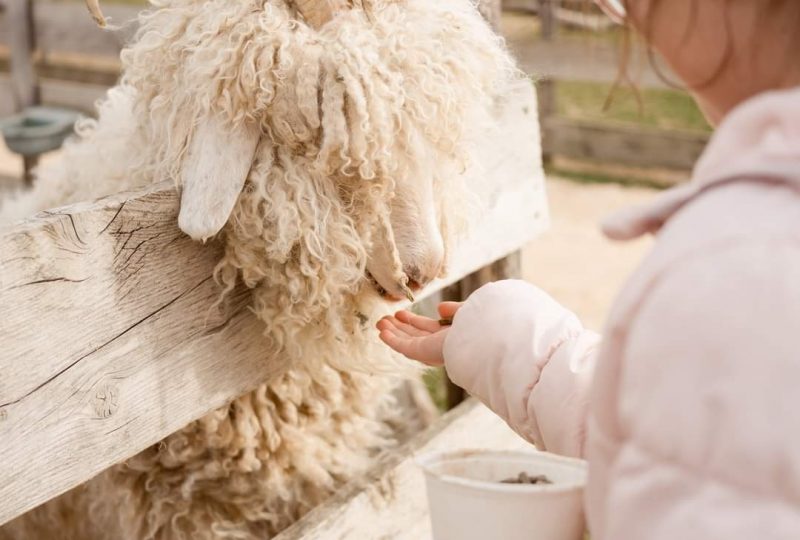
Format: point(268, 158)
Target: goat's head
point(371, 102)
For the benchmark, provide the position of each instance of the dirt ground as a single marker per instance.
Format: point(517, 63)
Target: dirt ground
point(573, 261)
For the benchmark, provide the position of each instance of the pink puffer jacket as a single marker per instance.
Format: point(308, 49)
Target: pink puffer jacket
point(689, 411)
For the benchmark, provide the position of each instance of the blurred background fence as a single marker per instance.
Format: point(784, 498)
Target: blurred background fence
point(51, 53)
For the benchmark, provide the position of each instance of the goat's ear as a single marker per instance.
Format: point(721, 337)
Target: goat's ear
point(214, 170)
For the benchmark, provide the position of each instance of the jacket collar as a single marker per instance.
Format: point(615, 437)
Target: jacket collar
point(758, 140)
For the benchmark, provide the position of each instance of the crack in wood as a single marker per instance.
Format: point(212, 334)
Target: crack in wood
point(134, 250)
point(74, 363)
point(63, 248)
point(75, 229)
point(122, 426)
point(121, 206)
point(49, 280)
point(130, 236)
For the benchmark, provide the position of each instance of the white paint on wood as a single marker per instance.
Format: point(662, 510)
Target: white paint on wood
point(390, 501)
point(108, 340)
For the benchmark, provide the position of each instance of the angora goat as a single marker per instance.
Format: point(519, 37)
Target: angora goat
point(321, 156)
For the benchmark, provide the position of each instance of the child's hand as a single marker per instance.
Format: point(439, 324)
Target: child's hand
point(417, 337)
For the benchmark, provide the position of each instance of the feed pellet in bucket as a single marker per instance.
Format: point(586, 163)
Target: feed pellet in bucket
point(525, 478)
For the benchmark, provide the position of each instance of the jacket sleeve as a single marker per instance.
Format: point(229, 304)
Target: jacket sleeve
point(707, 401)
point(528, 359)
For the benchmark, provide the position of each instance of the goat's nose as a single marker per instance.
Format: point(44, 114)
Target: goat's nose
point(414, 284)
point(423, 260)
point(418, 277)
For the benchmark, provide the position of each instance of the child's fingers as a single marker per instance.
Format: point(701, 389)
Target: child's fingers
point(448, 309)
point(388, 324)
point(419, 322)
point(405, 328)
point(427, 350)
point(403, 345)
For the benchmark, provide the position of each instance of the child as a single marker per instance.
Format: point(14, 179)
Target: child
point(688, 412)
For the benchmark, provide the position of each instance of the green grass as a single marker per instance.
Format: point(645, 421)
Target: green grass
point(435, 381)
point(661, 108)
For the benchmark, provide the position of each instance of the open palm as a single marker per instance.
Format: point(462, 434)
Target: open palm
point(419, 338)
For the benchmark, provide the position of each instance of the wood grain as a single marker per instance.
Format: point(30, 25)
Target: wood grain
point(109, 339)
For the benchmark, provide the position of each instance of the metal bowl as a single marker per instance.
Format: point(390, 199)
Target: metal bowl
point(37, 130)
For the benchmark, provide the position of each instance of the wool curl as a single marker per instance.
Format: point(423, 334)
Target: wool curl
point(383, 94)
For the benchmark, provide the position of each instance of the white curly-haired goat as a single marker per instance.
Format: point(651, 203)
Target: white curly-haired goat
point(324, 150)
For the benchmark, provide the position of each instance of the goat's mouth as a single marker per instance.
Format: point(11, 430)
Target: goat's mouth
point(408, 289)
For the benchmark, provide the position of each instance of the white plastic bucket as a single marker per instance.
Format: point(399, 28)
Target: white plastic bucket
point(468, 501)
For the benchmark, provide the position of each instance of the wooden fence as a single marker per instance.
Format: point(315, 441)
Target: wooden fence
point(108, 342)
point(602, 142)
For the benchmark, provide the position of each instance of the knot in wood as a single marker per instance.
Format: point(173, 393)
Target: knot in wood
point(105, 401)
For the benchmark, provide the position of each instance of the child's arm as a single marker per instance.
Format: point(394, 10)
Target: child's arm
point(528, 359)
point(518, 351)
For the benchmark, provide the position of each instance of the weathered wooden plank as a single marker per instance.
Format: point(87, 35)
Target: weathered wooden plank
point(635, 145)
point(66, 26)
point(108, 340)
point(492, 11)
point(390, 501)
point(70, 94)
point(66, 66)
point(531, 6)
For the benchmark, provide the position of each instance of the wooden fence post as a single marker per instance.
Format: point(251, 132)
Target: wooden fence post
point(492, 11)
point(547, 18)
point(545, 88)
point(509, 267)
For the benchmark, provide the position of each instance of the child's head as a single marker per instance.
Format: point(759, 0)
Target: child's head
point(724, 50)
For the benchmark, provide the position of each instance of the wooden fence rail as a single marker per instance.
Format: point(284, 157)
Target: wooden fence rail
point(633, 146)
point(108, 342)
